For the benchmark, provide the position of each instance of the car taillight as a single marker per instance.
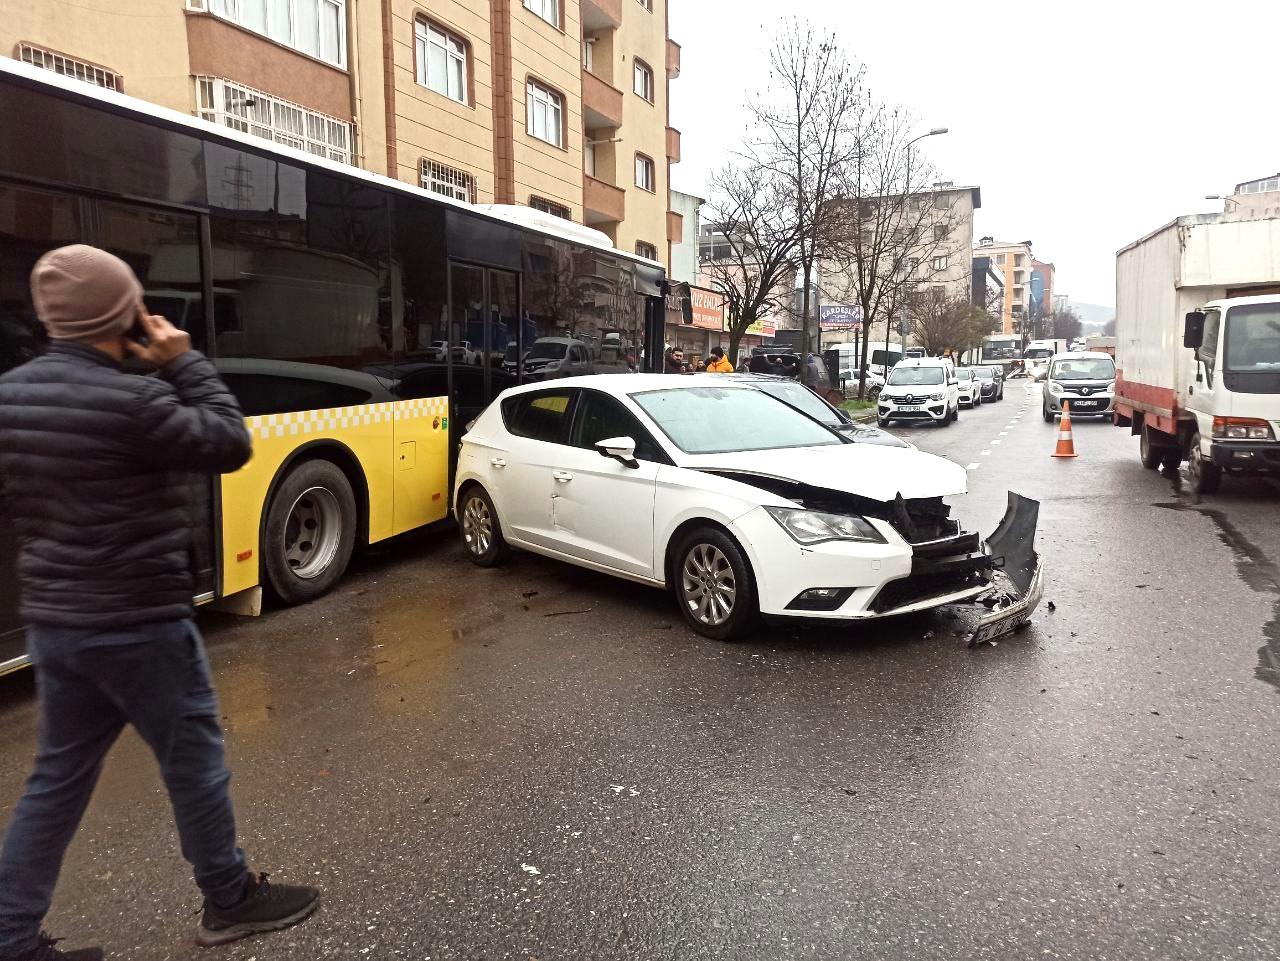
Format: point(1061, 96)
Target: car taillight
point(1242, 428)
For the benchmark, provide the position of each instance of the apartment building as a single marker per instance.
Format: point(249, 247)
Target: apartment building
point(1014, 261)
point(558, 105)
point(1042, 277)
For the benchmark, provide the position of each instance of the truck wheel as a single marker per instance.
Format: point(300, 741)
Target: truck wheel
point(1152, 454)
point(1206, 478)
point(310, 532)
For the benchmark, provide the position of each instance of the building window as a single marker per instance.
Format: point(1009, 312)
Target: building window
point(911, 264)
point(441, 61)
point(589, 54)
point(939, 233)
point(315, 27)
point(252, 111)
point(646, 174)
point(644, 80)
point(1000, 258)
point(545, 114)
point(940, 263)
point(548, 10)
point(70, 66)
point(551, 207)
point(448, 181)
point(647, 250)
point(1018, 260)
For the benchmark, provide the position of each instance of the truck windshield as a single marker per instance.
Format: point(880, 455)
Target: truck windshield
point(1253, 338)
point(1037, 353)
point(1088, 368)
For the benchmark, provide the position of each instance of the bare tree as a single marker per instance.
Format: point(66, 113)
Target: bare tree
point(1064, 323)
point(808, 120)
point(890, 230)
point(754, 250)
point(952, 324)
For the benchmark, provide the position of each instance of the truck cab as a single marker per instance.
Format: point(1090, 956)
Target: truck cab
point(1234, 394)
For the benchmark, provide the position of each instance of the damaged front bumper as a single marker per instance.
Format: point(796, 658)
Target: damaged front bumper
point(1018, 577)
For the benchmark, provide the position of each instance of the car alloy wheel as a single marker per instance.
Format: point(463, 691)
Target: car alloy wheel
point(708, 587)
point(477, 525)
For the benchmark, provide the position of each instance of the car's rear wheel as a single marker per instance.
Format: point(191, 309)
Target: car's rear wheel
point(310, 532)
point(714, 586)
point(481, 531)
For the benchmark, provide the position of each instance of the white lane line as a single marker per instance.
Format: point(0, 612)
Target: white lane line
point(996, 441)
point(973, 467)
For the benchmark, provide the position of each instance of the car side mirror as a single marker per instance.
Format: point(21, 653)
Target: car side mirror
point(621, 449)
point(1193, 330)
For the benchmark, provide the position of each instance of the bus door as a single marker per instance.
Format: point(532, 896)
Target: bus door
point(163, 248)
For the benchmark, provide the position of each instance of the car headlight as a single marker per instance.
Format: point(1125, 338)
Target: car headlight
point(814, 527)
point(937, 396)
point(1055, 387)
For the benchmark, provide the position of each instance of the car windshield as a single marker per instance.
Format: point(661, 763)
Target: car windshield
point(1087, 368)
point(915, 376)
point(547, 350)
point(718, 420)
point(1253, 338)
point(985, 373)
point(964, 374)
point(803, 399)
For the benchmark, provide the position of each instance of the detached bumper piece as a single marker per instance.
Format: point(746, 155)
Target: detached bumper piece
point(1018, 582)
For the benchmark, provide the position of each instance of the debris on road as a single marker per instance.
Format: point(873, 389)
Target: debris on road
point(529, 868)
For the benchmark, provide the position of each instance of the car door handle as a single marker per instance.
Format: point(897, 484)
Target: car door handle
point(562, 476)
point(497, 462)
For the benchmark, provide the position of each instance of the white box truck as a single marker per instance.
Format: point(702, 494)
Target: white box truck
point(1198, 345)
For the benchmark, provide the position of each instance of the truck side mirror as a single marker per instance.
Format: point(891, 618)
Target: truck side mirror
point(1193, 330)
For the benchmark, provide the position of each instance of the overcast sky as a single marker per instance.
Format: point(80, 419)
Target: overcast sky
point(1086, 124)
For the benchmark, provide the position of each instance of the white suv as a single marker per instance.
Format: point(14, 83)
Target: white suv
point(920, 388)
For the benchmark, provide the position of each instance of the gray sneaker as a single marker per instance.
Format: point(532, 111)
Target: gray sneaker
point(266, 907)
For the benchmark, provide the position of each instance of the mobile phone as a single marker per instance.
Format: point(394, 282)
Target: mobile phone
point(138, 332)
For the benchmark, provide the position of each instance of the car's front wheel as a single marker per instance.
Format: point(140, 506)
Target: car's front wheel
point(882, 421)
point(481, 531)
point(714, 586)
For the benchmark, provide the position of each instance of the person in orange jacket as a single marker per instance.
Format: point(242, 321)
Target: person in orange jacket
point(718, 362)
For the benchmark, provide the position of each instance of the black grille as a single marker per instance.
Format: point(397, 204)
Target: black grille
point(911, 590)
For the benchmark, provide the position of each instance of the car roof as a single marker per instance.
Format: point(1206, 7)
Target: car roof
point(621, 385)
point(923, 362)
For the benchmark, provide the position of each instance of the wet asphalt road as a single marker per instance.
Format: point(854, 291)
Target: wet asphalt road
point(543, 763)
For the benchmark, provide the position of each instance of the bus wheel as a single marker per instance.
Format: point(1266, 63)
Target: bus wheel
point(310, 532)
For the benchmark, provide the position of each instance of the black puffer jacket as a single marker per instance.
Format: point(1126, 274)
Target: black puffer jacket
point(96, 470)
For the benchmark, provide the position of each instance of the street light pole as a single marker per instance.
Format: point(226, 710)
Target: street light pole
point(935, 132)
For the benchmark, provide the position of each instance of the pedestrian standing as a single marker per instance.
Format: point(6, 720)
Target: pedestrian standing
point(97, 466)
point(719, 363)
point(674, 361)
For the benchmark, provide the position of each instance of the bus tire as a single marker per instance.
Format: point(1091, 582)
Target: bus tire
point(310, 532)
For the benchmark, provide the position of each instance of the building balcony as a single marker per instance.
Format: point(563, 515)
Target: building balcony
point(673, 145)
point(675, 227)
point(602, 202)
point(673, 59)
point(601, 15)
point(601, 103)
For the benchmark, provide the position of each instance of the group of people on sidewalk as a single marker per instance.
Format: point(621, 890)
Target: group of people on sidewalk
point(96, 468)
point(716, 363)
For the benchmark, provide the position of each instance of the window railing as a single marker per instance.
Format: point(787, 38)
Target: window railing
point(254, 112)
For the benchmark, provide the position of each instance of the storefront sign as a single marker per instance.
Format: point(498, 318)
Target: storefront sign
point(679, 308)
point(708, 308)
point(763, 328)
point(840, 317)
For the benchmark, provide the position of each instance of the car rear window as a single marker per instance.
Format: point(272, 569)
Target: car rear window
point(541, 416)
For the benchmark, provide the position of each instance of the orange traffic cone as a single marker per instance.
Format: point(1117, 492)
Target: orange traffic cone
point(1066, 444)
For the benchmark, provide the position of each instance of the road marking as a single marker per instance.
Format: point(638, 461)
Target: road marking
point(1004, 433)
point(973, 467)
point(984, 453)
point(996, 441)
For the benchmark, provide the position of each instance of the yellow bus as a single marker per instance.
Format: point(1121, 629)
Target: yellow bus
point(362, 322)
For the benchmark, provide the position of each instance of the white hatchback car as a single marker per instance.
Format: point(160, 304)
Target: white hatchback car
point(920, 388)
point(739, 502)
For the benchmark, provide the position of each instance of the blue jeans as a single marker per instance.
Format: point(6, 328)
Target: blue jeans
point(91, 684)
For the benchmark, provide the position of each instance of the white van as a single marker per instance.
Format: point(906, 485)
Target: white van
point(920, 388)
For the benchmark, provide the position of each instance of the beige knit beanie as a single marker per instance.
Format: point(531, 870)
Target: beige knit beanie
point(83, 293)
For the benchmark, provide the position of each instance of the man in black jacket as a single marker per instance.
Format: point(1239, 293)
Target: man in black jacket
point(96, 466)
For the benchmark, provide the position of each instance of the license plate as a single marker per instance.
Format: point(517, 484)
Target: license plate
point(1012, 617)
point(1082, 404)
point(910, 408)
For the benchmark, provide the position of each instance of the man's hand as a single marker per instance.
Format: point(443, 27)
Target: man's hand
point(165, 342)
